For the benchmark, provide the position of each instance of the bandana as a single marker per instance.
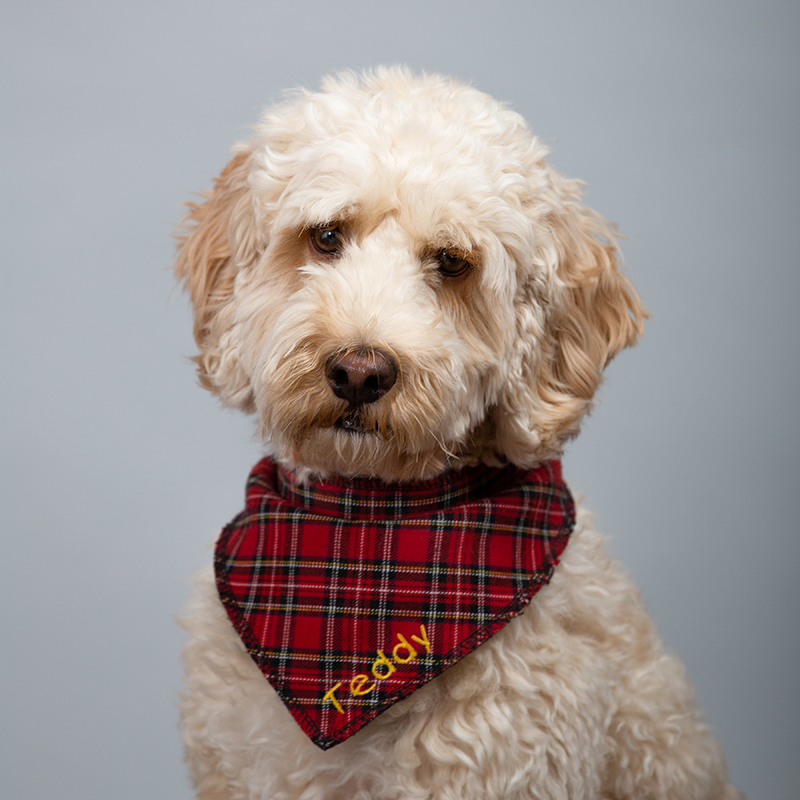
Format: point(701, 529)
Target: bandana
point(351, 594)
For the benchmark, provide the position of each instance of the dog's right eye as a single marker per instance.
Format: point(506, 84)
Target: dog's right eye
point(326, 239)
point(452, 264)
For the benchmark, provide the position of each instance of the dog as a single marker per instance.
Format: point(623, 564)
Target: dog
point(393, 280)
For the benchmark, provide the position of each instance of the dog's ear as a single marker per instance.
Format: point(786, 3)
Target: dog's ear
point(217, 239)
point(566, 333)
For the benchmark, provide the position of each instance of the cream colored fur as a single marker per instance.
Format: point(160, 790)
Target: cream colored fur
point(573, 699)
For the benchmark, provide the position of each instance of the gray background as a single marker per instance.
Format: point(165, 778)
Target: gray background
point(117, 470)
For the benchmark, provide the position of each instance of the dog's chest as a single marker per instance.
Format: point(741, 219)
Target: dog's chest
point(534, 693)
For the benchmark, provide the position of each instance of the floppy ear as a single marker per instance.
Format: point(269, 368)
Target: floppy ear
point(566, 333)
point(218, 238)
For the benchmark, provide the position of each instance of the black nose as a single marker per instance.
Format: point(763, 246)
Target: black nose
point(361, 376)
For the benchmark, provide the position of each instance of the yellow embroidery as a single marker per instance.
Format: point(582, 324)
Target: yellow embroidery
point(382, 667)
point(356, 685)
point(412, 653)
point(424, 640)
point(331, 695)
point(382, 661)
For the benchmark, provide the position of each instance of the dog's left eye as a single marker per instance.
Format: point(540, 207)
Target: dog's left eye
point(326, 239)
point(452, 264)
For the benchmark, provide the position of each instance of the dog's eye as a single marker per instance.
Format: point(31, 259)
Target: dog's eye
point(326, 239)
point(452, 264)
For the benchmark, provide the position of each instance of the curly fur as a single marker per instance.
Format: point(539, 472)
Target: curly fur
point(573, 699)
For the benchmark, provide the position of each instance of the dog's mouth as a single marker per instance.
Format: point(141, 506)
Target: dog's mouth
point(351, 423)
point(357, 422)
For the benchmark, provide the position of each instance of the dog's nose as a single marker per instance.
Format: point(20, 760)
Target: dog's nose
point(361, 376)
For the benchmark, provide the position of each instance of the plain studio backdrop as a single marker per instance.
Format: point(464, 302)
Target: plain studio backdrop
point(117, 470)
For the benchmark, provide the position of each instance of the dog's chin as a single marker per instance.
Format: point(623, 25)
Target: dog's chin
point(353, 446)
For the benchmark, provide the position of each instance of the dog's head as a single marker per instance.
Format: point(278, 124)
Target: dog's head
point(393, 279)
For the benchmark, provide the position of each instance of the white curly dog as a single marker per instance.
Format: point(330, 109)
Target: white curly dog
point(393, 280)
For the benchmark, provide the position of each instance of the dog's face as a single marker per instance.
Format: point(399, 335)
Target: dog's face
point(392, 278)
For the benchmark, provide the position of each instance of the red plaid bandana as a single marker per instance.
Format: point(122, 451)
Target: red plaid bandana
point(351, 594)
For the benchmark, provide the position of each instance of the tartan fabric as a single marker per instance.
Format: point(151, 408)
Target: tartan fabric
point(351, 594)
